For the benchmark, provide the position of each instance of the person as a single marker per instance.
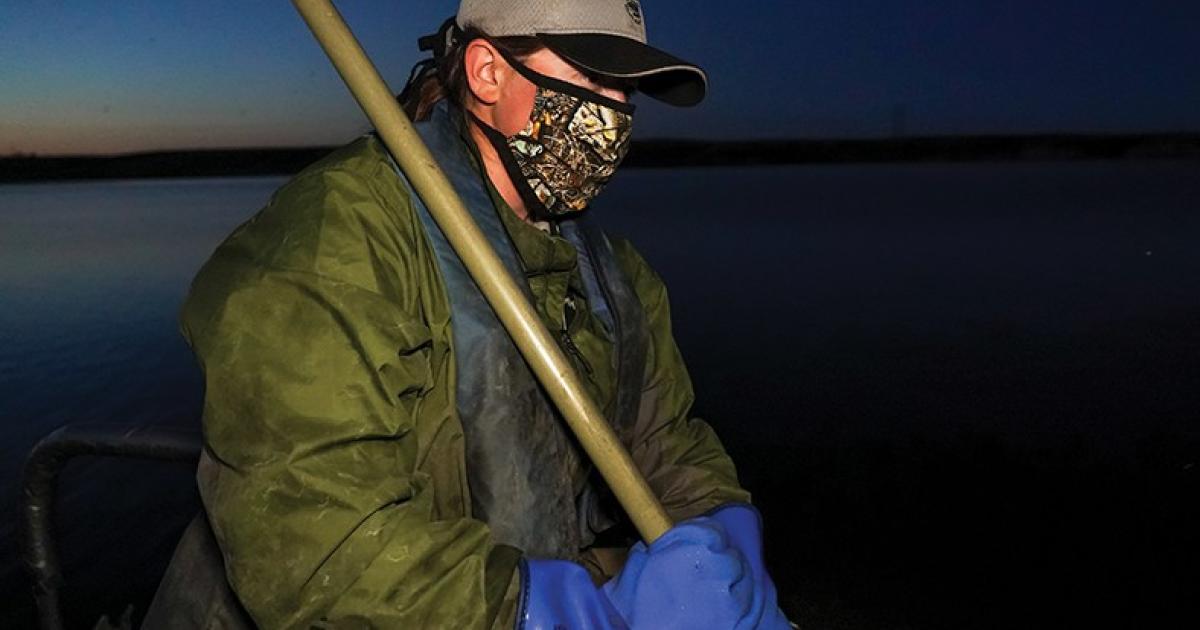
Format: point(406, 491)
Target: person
point(377, 454)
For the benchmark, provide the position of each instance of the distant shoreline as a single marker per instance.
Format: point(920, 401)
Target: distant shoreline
point(659, 153)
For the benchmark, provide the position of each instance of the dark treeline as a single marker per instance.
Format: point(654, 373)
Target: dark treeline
point(647, 153)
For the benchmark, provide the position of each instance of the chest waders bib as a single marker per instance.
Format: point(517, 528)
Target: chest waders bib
point(523, 464)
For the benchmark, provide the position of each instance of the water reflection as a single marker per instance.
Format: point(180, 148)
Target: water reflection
point(818, 308)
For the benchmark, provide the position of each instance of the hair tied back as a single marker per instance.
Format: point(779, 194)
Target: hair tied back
point(443, 40)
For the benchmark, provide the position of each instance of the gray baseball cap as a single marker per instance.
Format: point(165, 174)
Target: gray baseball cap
point(607, 37)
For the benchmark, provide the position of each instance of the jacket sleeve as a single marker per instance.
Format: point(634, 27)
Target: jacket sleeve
point(681, 456)
point(323, 397)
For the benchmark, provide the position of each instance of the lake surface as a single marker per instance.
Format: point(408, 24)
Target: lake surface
point(963, 395)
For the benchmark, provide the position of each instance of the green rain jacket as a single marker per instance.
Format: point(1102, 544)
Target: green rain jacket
point(334, 475)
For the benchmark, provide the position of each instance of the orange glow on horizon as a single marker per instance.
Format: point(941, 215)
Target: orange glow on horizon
point(94, 139)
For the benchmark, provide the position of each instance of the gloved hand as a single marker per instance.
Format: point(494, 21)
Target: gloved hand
point(743, 526)
point(705, 572)
point(691, 577)
point(559, 594)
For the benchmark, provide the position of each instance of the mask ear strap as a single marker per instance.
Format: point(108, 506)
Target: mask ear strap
point(533, 205)
point(558, 85)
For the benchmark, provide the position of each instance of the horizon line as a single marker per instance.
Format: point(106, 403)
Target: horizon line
point(663, 140)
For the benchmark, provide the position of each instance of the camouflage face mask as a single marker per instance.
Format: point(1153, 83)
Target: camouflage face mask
point(569, 150)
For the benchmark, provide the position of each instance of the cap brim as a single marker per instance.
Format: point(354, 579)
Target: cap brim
point(659, 75)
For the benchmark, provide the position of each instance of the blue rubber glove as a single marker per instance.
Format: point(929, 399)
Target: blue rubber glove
point(743, 526)
point(706, 572)
point(556, 594)
point(689, 578)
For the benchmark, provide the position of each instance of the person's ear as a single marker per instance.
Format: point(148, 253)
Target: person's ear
point(484, 71)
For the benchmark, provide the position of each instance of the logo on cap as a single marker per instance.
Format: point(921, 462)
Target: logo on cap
point(635, 11)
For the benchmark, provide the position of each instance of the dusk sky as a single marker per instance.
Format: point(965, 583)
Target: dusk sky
point(87, 76)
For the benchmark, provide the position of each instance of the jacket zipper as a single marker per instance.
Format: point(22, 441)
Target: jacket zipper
point(574, 349)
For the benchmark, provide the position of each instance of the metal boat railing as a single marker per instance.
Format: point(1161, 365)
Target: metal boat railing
point(39, 486)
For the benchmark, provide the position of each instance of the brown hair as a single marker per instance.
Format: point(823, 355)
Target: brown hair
point(446, 76)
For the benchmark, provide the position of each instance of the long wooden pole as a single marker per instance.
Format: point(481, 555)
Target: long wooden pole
point(501, 291)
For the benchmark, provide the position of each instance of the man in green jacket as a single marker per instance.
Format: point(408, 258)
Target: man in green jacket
point(377, 454)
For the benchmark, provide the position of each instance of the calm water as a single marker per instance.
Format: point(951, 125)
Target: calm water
point(964, 395)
